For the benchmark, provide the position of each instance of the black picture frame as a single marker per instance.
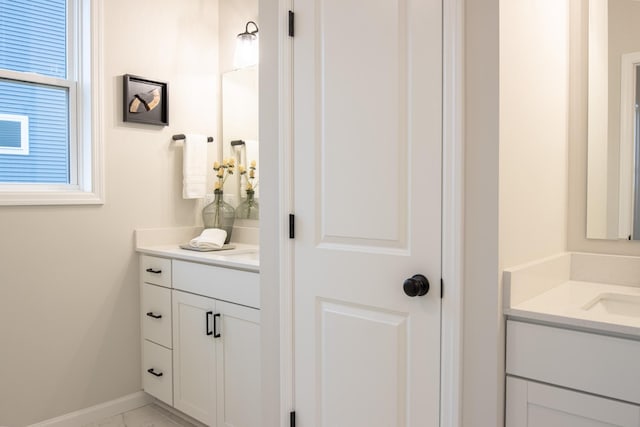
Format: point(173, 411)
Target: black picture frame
point(140, 103)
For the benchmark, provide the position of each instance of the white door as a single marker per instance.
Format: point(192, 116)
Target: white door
point(238, 353)
point(367, 179)
point(194, 353)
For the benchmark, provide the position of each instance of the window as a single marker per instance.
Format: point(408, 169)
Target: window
point(50, 144)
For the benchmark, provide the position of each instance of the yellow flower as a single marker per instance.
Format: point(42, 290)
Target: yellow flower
point(253, 163)
point(225, 162)
point(242, 169)
point(232, 162)
point(220, 173)
point(249, 186)
point(252, 173)
point(216, 185)
point(216, 166)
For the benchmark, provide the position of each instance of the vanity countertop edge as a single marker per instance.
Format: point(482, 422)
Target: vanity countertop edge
point(166, 243)
point(243, 257)
point(547, 292)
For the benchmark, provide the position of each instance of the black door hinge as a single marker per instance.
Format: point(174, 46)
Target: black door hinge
point(441, 288)
point(292, 226)
point(291, 28)
point(292, 419)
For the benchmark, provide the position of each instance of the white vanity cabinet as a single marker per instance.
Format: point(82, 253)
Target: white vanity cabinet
point(214, 342)
point(570, 378)
point(533, 404)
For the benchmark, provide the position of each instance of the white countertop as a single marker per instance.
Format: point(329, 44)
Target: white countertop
point(562, 289)
point(243, 257)
point(565, 304)
point(165, 242)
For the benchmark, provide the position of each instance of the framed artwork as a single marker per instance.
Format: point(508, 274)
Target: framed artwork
point(145, 101)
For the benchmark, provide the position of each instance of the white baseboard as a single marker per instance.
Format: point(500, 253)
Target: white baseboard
point(98, 412)
point(175, 414)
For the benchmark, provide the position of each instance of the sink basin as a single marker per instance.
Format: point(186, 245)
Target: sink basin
point(616, 304)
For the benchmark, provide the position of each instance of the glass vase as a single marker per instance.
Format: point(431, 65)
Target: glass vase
point(249, 208)
point(219, 214)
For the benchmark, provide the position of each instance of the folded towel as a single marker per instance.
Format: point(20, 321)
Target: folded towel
point(194, 167)
point(211, 238)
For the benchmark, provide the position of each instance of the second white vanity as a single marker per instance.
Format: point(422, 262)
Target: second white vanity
point(200, 314)
point(573, 342)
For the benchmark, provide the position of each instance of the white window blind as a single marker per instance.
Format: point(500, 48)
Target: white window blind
point(48, 70)
point(33, 39)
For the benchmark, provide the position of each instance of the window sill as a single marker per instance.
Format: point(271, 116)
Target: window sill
point(61, 197)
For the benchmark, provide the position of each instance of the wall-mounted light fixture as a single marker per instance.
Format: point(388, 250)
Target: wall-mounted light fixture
point(246, 47)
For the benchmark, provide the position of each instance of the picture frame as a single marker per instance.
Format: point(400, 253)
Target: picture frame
point(145, 100)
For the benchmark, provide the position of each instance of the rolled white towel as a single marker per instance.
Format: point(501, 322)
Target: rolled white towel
point(211, 238)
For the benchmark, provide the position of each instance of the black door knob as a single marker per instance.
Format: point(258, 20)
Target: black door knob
point(416, 286)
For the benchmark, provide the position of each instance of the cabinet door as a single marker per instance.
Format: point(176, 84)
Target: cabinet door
point(531, 404)
point(194, 366)
point(238, 351)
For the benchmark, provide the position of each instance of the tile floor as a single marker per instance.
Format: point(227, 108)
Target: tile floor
point(146, 416)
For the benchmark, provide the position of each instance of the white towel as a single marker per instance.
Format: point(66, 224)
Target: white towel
point(211, 238)
point(194, 167)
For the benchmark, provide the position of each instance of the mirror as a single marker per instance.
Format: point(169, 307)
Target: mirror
point(240, 130)
point(613, 205)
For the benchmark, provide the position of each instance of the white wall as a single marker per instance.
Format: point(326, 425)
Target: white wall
point(69, 301)
point(534, 111)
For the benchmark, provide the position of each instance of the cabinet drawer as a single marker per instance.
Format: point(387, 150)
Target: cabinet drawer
point(156, 314)
point(240, 287)
point(155, 270)
point(157, 374)
point(594, 363)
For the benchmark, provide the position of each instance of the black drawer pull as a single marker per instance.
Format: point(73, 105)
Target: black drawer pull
point(215, 325)
point(151, 270)
point(155, 316)
point(154, 373)
point(207, 316)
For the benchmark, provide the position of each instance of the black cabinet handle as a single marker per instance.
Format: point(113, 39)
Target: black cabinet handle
point(151, 270)
point(155, 316)
point(208, 315)
point(154, 373)
point(215, 325)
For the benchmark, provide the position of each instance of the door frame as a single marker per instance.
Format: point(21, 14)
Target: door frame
point(276, 265)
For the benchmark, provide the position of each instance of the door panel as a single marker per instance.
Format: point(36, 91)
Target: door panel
point(367, 160)
point(363, 86)
point(345, 367)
